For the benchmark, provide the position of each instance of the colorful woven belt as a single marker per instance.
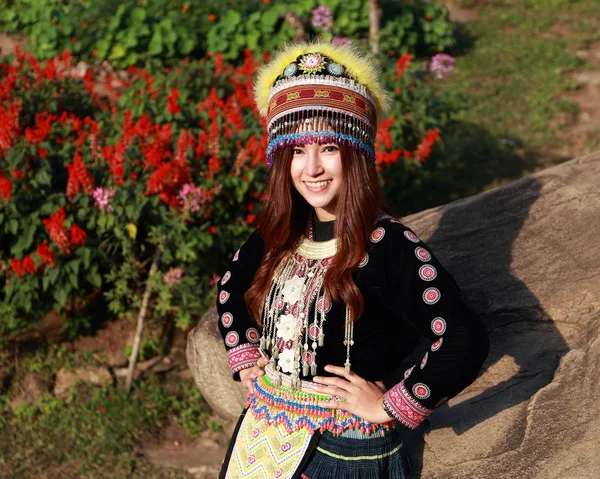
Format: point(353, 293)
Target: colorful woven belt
point(299, 409)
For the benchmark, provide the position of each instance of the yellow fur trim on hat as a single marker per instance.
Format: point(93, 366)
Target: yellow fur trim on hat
point(363, 68)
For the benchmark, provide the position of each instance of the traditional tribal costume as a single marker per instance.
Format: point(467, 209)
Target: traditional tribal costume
point(320, 93)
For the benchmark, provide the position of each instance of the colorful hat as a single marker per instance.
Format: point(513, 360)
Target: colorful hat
point(318, 92)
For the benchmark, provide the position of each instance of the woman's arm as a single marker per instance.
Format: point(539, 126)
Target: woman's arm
point(240, 332)
point(430, 299)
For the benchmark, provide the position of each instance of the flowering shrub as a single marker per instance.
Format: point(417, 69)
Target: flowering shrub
point(163, 31)
point(92, 182)
point(95, 175)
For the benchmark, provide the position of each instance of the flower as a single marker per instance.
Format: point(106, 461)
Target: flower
point(172, 106)
point(29, 265)
point(441, 64)
point(322, 18)
point(17, 267)
point(423, 150)
point(46, 254)
point(131, 230)
point(292, 288)
point(250, 218)
point(57, 231)
point(286, 327)
point(190, 197)
point(213, 230)
point(212, 17)
point(173, 276)
point(102, 197)
point(78, 236)
point(403, 63)
point(339, 41)
point(5, 188)
point(286, 361)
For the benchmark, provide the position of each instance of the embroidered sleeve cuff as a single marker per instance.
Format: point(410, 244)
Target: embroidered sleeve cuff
point(242, 357)
point(406, 409)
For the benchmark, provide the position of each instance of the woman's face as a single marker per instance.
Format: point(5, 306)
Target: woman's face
point(316, 172)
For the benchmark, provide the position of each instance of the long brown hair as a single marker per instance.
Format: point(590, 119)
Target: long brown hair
point(283, 218)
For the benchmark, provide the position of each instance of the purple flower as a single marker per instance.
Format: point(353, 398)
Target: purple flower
point(322, 18)
point(190, 197)
point(173, 276)
point(102, 197)
point(441, 64)
point(339, 41)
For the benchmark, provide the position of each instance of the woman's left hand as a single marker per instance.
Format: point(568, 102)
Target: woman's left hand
point(362, 398)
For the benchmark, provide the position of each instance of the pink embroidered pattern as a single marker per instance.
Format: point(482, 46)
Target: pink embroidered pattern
point(421, 391)
point(438, 325)
point(377, 234)
point(437, 345)
point(236, 255)
point(227, 319)
point(427, 272)
point(422, 254)
point(404, 407)
point(223, 297)
point(408, 372)
point(252, 335)
point(225, 277)
point(424, 360)
point(242, 357)
point(411, 236)
point(231, 339)
point(364, 260)
point(431, 295)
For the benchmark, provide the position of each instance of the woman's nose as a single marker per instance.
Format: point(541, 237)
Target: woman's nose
point(313, 163)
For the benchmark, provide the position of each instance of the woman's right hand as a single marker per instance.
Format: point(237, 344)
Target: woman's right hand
point(248, 375)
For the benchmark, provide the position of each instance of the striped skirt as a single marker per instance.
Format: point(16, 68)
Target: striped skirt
point(347, 457)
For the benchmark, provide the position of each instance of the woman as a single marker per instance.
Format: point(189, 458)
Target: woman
point(329, 295)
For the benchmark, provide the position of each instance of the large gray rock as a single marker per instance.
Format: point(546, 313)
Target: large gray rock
point(526, 255)
point(207, 359)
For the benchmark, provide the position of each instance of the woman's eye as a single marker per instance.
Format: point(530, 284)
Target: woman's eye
point(330, 148)
point(297, 151)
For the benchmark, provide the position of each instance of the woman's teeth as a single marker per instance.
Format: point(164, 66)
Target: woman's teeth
point(317, 184)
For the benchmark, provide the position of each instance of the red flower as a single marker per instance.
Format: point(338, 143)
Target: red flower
point(423, 150)
point(78, 176)
point(172, 106)
point(403, 63)
point(213, 230)
point(78, 236)
point(250, 218)
point(214, 165)
point(17, 267)
point(212, 17)
point(29, 265)
point(185, 9)
point(5, 188)
point(57, 231)
point(45, 253)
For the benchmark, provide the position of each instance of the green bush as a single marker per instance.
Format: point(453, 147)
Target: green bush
point(162, 31)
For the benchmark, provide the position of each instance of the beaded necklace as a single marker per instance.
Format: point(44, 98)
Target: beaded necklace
point(289, 334)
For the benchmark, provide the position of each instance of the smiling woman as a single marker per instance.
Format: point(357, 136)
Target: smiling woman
point(326, 299)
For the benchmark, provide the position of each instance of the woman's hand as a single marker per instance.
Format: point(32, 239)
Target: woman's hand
point(248, 375)
point(362, 398)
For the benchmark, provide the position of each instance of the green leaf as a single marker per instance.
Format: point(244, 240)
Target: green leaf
point(61, 294)
point(94, 278)
point(13, 226)
point(155, 47)
point(137, 16)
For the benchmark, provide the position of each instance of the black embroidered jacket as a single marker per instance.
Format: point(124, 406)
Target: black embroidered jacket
point(407, 293)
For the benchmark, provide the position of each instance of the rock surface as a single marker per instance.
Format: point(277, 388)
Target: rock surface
point(526, 256)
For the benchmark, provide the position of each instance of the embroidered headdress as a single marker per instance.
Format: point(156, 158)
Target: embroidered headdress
point(319, 92)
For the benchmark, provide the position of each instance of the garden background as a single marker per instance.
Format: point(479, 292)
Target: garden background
point(129, 139)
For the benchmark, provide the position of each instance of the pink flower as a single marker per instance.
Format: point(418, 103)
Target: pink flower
point(441, 64)
point(102, 197)
point(190, 197)
point(322, 18)
point(173, 276)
